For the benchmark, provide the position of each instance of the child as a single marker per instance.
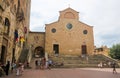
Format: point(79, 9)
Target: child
point(18, 71)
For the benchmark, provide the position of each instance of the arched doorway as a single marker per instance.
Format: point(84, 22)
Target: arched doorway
point(39, 52)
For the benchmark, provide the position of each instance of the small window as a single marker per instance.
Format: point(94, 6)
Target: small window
point(69, 26)
point(85, 32)
point(6, 26)
point(53, 30)
point(7, 23)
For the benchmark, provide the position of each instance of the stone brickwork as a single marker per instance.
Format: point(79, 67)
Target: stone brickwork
point(36, 42)
point(104, 50)
point(36, 39)
point(68, 35)
point(14, 15)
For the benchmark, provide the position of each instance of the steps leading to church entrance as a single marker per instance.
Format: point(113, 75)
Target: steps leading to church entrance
point(71, 61)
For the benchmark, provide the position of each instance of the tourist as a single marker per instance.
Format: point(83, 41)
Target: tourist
point(100, 65)
point(39, 63)
point(7, 68)
point(43, 63)
point(22, 68)
point(18, 71)
point(114, 68)
point(2, 71)
point(28, 64)
point(13, 66)
point(36, 63)
point(49, 63)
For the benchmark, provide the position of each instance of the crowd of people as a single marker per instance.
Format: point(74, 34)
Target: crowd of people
point(13, 67)
point(18, 67)
point(40, 63)
point(110, 64)
point(4, 68)
point(43, 63)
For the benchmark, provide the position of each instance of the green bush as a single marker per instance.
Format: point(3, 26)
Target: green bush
point(115, 51)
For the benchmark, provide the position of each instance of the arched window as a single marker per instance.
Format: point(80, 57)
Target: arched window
point(6, 26)
point(69, 15)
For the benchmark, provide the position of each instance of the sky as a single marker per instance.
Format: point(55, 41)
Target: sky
point(103, 15)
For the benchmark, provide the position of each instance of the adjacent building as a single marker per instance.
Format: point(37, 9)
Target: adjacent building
point(14, 25)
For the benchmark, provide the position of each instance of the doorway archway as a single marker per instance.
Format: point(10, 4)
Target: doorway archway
point(39, 52)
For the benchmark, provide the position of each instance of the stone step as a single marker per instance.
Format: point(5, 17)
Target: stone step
point(76, 65)
point(75, 61)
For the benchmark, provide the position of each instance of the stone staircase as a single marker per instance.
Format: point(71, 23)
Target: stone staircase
point(71, 61)
point(23, 55)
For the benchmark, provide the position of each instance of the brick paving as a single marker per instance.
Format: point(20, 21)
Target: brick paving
point(67, 73)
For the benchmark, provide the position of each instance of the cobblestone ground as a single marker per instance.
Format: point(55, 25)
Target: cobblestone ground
point(67, 73)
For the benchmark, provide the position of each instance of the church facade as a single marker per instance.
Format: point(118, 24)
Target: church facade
point(68, 35)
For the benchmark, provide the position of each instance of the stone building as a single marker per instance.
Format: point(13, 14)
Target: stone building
point(67, 36)
point(104, 50)
point(36, 41)
point(14, 25)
